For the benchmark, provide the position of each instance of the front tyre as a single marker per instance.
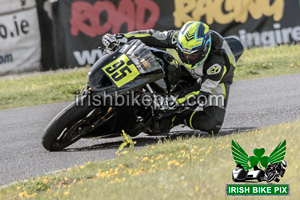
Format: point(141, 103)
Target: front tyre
point(66, 128)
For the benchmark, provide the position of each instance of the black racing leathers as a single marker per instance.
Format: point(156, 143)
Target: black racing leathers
point(215, 76)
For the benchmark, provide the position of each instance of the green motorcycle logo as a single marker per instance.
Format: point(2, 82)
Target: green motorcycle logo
point(274, 164)
point(242, 158)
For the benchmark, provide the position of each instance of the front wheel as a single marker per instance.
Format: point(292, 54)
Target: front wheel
point(66, 128)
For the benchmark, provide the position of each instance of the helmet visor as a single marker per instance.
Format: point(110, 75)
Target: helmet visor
point(191, 58)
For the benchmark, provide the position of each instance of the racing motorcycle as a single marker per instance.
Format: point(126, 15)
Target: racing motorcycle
point(144, 75)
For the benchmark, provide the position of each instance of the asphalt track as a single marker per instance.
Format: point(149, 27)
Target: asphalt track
point(252, 104)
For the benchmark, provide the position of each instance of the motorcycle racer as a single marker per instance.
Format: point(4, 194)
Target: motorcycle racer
point(209, 61)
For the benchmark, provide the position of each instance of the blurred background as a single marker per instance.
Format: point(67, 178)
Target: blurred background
point(41, 35)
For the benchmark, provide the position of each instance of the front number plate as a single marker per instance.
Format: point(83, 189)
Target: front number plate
point(121, 70)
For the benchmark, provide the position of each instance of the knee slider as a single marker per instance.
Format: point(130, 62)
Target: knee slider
point(202, 121)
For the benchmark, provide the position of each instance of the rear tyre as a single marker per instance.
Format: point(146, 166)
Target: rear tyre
point(65, 128)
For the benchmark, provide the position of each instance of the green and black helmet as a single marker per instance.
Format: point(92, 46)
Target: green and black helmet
point(193, 43)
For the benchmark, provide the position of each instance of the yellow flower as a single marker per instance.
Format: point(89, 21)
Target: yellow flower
point(66, 179)
point(188, 156)
point(45, 181)
point(171, 162)
point(201, 160)
point(67, 193)
point(160, 156)
point(145, 159)
point(21, 194)
point(118, 180)
point(74, 181)
point(196, 188)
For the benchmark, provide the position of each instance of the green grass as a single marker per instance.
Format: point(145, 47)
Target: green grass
point(61, 86)
point(191, 168)
point(41, 88)
point(260, 63)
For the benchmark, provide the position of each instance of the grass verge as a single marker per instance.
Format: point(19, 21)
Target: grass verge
point(187, 168)
point(41, 88)
point(61, 86)
point(266, 62)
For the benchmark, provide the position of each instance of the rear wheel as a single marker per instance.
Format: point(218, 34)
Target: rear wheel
point(67, 127)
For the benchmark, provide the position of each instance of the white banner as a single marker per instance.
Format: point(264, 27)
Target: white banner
point(20, 43)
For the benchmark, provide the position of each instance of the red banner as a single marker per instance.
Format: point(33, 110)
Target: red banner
point(80, 24)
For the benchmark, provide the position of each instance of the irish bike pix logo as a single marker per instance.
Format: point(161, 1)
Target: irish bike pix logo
point(258, 168)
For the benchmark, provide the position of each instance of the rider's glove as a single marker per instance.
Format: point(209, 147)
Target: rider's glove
point(111, 40)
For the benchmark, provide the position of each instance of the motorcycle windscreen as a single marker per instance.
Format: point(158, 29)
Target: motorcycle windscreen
point(143, 58)
point(135, 60)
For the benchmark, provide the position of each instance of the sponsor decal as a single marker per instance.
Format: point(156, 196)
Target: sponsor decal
point(270, 37)
point(18, 28)
point(104, 16)
point(8, 58)
point(87, 57)
point(226, 11)
point(20, 41)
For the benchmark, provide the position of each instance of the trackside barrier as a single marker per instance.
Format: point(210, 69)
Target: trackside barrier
point(20, 49)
